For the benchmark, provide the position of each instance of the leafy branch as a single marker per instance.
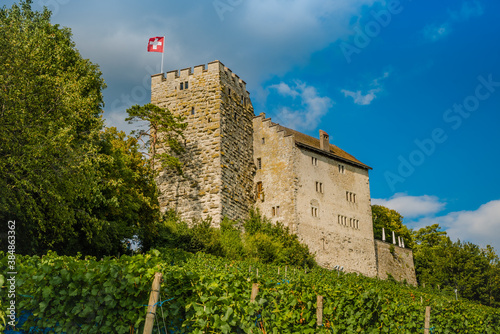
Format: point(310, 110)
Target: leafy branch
point(164, 135)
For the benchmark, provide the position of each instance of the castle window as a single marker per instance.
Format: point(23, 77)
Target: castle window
point(341, 169)
point(342, 220)
point(275, 211)
point(319, 187)
point(314, 161)
point(229, 92)
point(260, 191)
point(182, 86)
point(350, 197)
point(186, 85)
point(192, 110)
point(357, 224)
point(263, 140)
point(314, 211)
point(259, 163)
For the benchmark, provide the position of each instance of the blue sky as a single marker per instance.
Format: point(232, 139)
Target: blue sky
point(411, 88)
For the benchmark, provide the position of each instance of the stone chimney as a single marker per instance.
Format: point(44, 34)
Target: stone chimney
point(324, 141)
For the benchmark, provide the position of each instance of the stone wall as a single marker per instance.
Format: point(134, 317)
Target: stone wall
point(399, 263)
point(298, 180)
point(218, 140)
point(276, 172)
point(341, 232)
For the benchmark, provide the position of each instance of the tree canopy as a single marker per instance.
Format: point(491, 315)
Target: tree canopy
point(69, 184)
point(441, 263)
point(390, 220)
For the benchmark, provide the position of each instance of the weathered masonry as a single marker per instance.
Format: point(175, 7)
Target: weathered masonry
point(219, 164)
point(235, 160)
point(320, 191)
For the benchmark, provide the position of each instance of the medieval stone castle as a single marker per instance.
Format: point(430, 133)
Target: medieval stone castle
point(235, 160)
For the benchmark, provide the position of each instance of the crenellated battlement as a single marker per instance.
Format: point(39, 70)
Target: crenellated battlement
point(192, 72)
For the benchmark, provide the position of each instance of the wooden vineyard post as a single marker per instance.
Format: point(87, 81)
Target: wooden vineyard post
point(319, 310)
point(255, 291)
point(427, 324)
point(153, 299)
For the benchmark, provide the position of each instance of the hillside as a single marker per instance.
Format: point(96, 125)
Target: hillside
point(205, 293)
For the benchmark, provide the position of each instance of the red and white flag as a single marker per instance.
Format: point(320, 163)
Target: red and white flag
point(156, 44)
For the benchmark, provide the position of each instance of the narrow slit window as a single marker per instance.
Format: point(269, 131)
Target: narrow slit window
point(182, 86)
point(259, 163)
point(192, 111)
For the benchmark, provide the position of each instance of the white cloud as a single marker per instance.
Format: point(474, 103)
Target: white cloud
point(367, 98)
point(412, 206)
point(359, 98)
point(469, 9)
point(310, 107)
point(256, 39)
point(285, 90)
point(481, 226)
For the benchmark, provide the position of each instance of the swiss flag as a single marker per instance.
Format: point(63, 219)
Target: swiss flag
point(155, 44)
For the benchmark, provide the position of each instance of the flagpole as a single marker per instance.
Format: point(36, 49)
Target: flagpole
point(161, 71)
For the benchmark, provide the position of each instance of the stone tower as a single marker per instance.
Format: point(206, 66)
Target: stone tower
point(218, 163)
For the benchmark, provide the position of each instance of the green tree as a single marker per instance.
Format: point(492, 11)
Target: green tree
point(163, 135)
point(390, 220)
point(50, 106)
point(463, 266)
point(69, 184)
point(130, 199)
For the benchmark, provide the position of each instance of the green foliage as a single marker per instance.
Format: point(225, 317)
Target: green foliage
point(391, 220)
point(204, 293)
point(164, 130)
point(261, 241)
point(473, 271)
point(392, 249)
point(69, 185)
point(50, 105)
